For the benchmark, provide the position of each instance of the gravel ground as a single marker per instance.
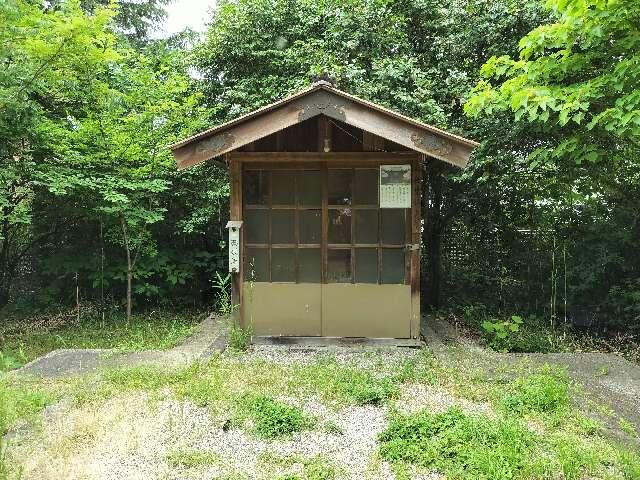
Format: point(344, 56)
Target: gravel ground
point(132, 435)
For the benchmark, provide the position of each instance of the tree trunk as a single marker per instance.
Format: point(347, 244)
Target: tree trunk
point(129, 285)
point(130, 263)
point(5, 271)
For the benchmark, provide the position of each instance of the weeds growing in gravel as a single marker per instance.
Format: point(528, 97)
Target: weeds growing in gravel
point(192, 458)
point(351, 385)
point(544, 392)
point(273, 419)
point(19, 401)
point(458, 445)
point(469, 447)
point(297, 467)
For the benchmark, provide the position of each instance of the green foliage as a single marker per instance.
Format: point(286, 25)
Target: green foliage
point(578, 75)
point(499, 332)
point(273, 419)
point(239, 338)
point(19, 401)
point(545, 392)
point(458, 445)
point(34, 336)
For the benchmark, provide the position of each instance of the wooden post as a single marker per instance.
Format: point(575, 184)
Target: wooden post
point(416, 237)
point(235, 213)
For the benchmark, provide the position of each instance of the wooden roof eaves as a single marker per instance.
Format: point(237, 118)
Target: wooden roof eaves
point(462, 146)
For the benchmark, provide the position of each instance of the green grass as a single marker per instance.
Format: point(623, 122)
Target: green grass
point(543, 392)
point(192, 458)
point(463, 446)
point(458, 445)
point(29, 338)
point(21, 400)
point(18, 401)
point(272, 418)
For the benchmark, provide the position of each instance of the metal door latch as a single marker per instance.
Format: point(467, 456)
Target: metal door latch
point(412, 247)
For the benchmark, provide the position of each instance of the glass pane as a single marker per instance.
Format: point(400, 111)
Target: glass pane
point(283, 226)
point(393, 227)
point(282, 183)
point(366, 265)
point(310, 188)
point(366, 187)
point(310, 226)
point(339, 266)
point(255, 265)
point(340, 226)
point(339, 187)
point(366, 226)
point(256, 226)
point(393, 266)
point(283, 265)
point(309, 265)
point(256, 187)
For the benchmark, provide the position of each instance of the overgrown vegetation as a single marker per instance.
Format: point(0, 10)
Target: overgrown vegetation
point(471, 446)
point(529, 426)
point(273, 419)
point(29, 337)
point(537, 334)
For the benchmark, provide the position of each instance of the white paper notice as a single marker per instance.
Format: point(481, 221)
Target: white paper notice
point(234, 250)
point(395, 186)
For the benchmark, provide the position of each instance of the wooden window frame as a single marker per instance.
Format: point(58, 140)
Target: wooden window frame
point(325, 207)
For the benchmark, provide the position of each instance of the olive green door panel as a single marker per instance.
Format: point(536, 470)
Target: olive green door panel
point(366, 310)
point(288, 309)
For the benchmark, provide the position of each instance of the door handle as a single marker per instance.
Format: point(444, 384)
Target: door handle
point(412, 247)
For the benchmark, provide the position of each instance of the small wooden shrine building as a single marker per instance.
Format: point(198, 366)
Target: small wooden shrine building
point(325, 213)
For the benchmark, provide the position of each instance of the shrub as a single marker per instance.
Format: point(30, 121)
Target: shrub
point(272, 418)
point(458, 445)
point(544, 392)
point(499, 333)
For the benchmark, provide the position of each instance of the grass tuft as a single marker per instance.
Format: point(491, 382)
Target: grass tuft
point(458, 445)
point(273, 419)
point(544, 392)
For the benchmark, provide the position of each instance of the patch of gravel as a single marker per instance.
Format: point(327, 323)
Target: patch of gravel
point(357, 356)
point(131, 436)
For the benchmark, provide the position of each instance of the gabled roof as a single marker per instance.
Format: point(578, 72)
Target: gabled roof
point(323, 98)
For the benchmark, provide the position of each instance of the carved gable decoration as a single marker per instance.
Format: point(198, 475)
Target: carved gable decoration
point(323, 99)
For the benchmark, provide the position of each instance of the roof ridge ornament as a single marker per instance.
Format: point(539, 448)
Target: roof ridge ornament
point(324, 79)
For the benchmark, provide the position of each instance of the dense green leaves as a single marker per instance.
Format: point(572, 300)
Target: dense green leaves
point(89, 192)
point(579, 78)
